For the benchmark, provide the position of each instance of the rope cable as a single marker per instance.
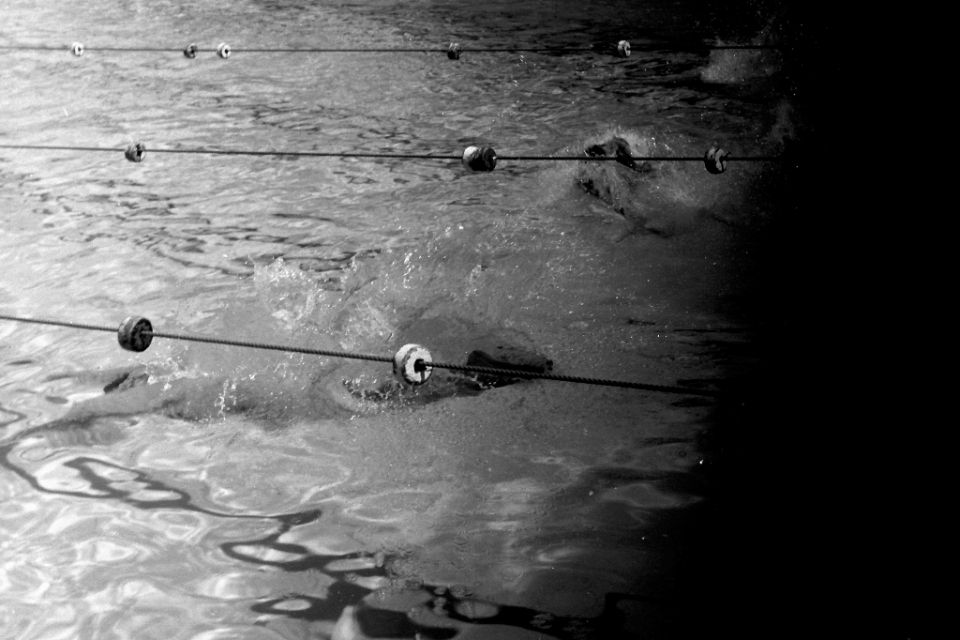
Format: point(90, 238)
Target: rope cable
point(637, 158)
point(59, 323)
point(510, 373)
point(266, 346)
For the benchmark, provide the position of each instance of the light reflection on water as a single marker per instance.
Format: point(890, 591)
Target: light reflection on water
point(127, 535)
point(238, 494)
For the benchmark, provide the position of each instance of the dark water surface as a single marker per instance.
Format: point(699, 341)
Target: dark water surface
point(220, 492)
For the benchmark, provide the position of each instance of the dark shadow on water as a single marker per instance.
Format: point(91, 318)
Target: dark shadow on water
point(764, 552)
point(437, 601)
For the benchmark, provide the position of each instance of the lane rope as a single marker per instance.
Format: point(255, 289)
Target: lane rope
point(453, 50)
point(229, 152)
point(473, 157)
point(414, 362)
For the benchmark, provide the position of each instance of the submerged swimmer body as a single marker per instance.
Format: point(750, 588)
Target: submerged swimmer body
point(617, 147)
point(445, 384)
point(136, 391)
point(614, 182)
point(622, 184)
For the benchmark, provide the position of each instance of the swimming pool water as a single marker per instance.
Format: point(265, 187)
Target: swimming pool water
point(231, 493)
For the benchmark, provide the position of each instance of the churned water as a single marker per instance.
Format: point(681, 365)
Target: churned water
point(200, 492)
